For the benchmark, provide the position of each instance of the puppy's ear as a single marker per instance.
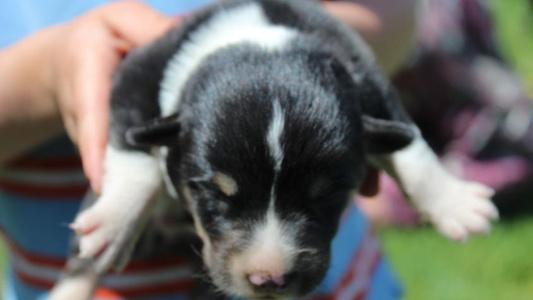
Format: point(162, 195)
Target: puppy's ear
point(386, 136)
point(156, 132)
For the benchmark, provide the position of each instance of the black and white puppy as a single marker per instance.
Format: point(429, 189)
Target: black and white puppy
point(262, 116)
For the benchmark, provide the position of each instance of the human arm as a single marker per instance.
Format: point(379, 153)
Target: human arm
point(28, 114)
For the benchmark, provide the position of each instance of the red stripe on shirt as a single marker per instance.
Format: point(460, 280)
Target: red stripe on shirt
point(154, 264)
point(43, 192)
point(46, 164)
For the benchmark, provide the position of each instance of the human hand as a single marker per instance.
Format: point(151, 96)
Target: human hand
point(85, 54)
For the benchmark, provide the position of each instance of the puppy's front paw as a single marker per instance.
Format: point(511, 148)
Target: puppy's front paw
point(107, 233)
point(460, 209)
point(96, 228)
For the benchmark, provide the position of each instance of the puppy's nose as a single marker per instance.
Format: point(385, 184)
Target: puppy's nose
point(266, 281)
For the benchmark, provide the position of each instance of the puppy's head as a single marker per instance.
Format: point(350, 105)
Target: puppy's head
point(266, 173)
point(267, 206)
point(266, 192)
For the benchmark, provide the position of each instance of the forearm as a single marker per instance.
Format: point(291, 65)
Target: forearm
point(389, 27)
point(28, 114)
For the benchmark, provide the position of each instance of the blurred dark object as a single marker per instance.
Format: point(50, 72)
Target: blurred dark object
point(469, 104)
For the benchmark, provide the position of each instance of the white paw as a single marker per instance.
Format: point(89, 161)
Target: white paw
point(96, 228)
point(459, 209)
point(107, 233)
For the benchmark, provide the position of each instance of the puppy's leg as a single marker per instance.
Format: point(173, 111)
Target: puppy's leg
point(455, 207)
point(79, 281)
point(111, 226)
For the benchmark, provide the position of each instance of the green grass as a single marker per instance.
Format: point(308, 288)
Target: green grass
point(515, 34)
point(494, 267)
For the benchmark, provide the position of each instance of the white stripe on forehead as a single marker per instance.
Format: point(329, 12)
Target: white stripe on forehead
point(272, 249)
point(275, 131)
point(243, 24)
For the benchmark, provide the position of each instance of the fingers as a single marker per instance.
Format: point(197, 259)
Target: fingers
point(92, 85)
point(127, 24)
point(93, 92)
point(95, 43)
point(136, 22)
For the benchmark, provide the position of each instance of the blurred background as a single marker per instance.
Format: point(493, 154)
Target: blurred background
point(498, 266)
point(475, 61)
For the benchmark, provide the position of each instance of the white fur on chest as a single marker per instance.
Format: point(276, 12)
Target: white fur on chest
point(243, 24)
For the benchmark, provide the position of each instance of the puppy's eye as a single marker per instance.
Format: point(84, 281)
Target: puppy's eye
point(211, 201)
